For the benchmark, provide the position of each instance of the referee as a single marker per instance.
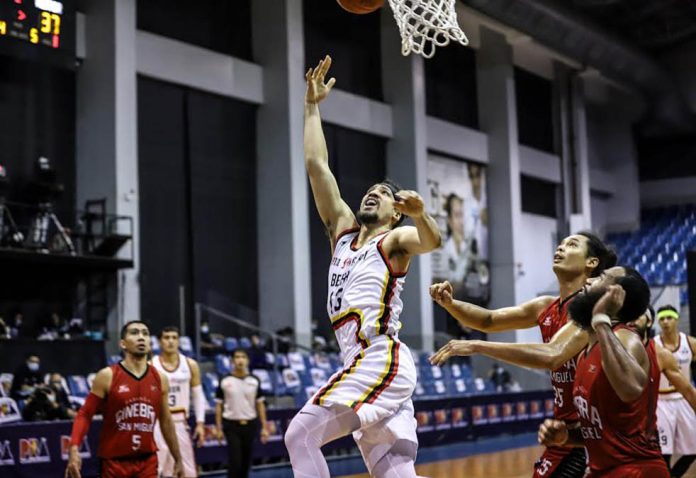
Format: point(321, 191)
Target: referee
point(237, 412)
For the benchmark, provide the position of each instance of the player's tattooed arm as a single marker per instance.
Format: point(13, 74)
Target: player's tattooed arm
point(670, 367)
point(167, 428)
point(508, 318)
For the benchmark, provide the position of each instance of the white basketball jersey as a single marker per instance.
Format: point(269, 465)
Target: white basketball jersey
point(684, 356)
point(364, 295)
point(179, 383)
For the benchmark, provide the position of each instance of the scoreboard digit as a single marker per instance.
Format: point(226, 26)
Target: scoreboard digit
point(38, 30)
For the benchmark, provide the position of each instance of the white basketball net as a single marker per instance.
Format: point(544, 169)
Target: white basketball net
point(426, 24)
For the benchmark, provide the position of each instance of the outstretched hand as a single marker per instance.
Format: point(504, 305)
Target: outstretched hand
point(317, 90)
point(611, 302)
point(454, 348)
point(442, 293)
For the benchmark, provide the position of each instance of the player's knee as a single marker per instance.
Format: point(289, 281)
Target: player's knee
point(296, 437)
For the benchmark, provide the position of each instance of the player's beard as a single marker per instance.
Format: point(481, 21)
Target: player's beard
point(580, 308)
point(646, 332)
point(365, 217)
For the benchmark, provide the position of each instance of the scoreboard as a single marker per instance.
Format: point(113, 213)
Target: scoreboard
point(38, 30)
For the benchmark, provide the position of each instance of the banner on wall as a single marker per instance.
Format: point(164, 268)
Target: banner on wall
point(457, 200)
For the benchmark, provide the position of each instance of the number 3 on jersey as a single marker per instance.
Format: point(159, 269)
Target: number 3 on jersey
point(558, 397)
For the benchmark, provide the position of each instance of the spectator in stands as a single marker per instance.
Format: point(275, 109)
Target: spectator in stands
point(211, 344)
point(257, 353)
point(26, 378)
point(18, 329)
point(5, 330)
point(75, 327)
point(500, 378)
point(319, 344)
point(45, 404)
point(55, 328)
point(239, 413)
point(286, 339)
point(56, 384)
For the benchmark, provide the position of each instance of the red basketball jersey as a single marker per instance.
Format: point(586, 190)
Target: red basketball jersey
point(131, 411)
point(615, 432)
point(550, 321)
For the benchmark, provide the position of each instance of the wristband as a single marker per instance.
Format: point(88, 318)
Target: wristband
point(598, 319)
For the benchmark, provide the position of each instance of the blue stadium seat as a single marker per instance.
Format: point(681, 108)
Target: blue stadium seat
point(319, 376)
point(78, 386)
point(436, 388)
point(245, 343)
point(231, 344)
point(155, 344)
point(461, 386)
point(282, 361)
point(297, 361)
point(336, 363)
point(113, 359)
point(292, 381)
point(186, 346)
point(265, 380)
point(223, 366)
point(210, 384)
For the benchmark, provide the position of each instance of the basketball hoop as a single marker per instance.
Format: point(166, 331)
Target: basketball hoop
point(426, 24)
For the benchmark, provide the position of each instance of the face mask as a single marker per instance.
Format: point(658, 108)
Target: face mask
point(204, 329)
point(33, 366)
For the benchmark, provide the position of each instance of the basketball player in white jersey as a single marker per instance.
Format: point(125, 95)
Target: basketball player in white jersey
point(184, 383)
point(676, 420)
point(371, 396)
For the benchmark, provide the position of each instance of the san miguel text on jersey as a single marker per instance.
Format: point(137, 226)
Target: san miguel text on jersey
point(131, 411)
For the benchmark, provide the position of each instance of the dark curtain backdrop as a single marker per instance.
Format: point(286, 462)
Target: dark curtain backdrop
point(38, 110)
point(353, 41)
point(534, 110)
point(222, 26)
point(539, 196)
point(358, 161)
point(197, 200)
point(450, 85)
point(38, 119)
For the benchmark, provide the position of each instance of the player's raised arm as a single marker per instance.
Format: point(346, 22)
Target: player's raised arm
point(624, 359)
point(100, 387)
point(563, 346)
point(422, 238)
point(334, 212)
point(508, 318)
